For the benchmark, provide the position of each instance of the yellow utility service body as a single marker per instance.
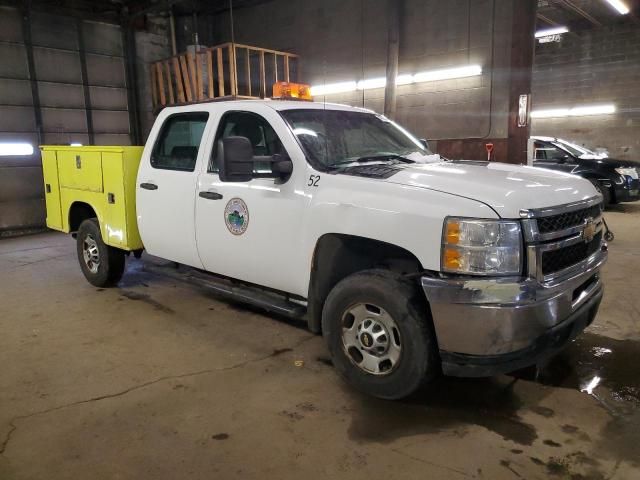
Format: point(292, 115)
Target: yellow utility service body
point(102, 178)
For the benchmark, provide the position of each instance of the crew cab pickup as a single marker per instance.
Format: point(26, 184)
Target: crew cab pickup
point(409, 265)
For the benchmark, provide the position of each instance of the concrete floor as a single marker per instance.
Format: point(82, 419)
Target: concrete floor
point(158, 380)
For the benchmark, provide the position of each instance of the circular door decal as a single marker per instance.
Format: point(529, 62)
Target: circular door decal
point(236, 216)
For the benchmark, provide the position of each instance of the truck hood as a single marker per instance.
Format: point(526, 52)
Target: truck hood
point(505, 188)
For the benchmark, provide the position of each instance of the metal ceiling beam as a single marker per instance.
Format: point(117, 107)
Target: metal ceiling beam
point(98, 12)
point(546, 19)
point(569, 5)
point(133, 106)
point(85, 81)
point(35, 94)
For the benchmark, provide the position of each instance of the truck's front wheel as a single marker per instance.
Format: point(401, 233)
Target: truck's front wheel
point(379, 334)
point(101, 264)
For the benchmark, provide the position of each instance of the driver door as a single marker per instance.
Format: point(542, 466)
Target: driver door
point(547, 155)
point(252, 230)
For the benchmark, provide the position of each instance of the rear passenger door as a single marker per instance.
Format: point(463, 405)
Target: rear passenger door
point(166, 188)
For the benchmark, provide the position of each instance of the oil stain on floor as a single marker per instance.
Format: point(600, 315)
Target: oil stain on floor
point(131, 295)
point(605, 368)
point(490, 403)
point(609, 370)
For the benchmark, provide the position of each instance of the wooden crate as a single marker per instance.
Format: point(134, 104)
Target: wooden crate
point(230, 70)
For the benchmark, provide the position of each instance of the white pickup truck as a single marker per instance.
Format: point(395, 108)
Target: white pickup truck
point(409, 265)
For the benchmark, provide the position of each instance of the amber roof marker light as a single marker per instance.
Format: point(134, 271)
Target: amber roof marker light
point(291, 91)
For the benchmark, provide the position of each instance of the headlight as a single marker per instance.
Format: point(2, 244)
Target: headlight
point(628, 171)
point(481, 247)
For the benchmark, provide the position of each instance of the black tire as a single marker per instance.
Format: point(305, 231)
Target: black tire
point(108, 269)
point(604, 191)
point(418, 360)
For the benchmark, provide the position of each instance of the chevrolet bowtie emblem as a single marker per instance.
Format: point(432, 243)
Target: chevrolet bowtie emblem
point(589, 230)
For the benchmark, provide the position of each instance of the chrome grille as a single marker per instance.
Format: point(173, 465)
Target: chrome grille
point(556, 260)
point(566, 220)
point(559, 240)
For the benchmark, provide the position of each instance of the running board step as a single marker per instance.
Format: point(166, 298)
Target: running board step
point(244, 293)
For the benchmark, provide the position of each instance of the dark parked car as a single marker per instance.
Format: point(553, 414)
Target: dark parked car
point(617, 180)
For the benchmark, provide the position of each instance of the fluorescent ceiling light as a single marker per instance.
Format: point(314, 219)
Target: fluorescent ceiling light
point(551, 31)
point(574, 112)
point(15, 149)
point(554, 112)
point(304, 131)
point(379, 82)
point(333, 88)
point(404, 79)
point(619, 6)
point(448, 73)
point(593, 110)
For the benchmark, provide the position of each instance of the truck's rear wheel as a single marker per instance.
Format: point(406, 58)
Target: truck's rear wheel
point(379, 334)
point(101, 264)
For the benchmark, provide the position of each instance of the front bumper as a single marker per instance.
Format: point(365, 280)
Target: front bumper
point(628, 191)
point(490, 326)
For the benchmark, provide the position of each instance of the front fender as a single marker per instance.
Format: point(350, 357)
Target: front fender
point(406, 216)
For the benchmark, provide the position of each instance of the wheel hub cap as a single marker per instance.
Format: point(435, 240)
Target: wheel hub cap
point(366, 340)
point(91, 253)
point(371, 339)
point(373, 336)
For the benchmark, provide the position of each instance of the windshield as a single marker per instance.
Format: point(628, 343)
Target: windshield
point(572, 148)
point(336, 137)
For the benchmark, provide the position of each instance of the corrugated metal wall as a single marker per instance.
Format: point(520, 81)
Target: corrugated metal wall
point(21, 196)
point(80, 95)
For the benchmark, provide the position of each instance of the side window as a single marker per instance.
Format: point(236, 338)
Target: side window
point(263, 138)
point(177, 145)
point(547, 152)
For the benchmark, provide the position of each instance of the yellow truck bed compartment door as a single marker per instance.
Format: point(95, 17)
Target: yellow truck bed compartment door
point(52, 189)
point(80, 170)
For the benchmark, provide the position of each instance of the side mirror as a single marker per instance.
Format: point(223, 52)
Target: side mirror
point(235, 159)
point(281, 165)
point(425, 143)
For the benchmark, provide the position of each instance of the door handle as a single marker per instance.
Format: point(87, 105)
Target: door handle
point(210, 195)
point(149, 186)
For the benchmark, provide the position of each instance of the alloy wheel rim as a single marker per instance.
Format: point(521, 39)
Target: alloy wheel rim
point(371, 339)
point(91, 253)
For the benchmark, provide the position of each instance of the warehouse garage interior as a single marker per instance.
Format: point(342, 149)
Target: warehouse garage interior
point(158, 377)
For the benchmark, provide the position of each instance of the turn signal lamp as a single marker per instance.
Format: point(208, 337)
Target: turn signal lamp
point(289, 90)
point(453, 233)
point(452, 259)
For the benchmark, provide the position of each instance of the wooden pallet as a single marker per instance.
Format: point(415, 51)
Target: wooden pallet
point(226, 71)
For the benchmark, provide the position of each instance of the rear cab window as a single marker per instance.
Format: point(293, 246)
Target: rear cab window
point(178, 143)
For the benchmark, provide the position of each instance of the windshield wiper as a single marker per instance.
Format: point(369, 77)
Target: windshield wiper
point(373, 158)
point(386, 156)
